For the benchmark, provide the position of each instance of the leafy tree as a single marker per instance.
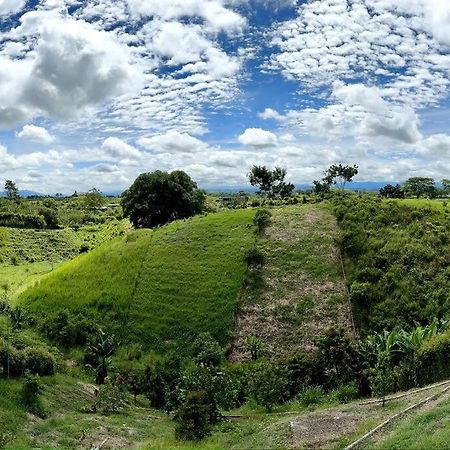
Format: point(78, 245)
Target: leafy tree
point(93, 199)
point(12, 193)
point(340, 175)
point(420, 187)
point(390, 191)
point(268, 384)
point(195, 417)
point(445, 187)
point(29, 396)
point(159, 197)
point(271, 183)
point(110, 395)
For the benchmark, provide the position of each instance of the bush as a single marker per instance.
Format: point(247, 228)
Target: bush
point(195, 417)
point(346, 394)
point(312, 395)
point(262, 219)
point(433, 362)
point(268, 384)
point(29, 396)
point(207, 351)
point(255, 258)
point(39, 361)
point(11, 360)
point(110, 395)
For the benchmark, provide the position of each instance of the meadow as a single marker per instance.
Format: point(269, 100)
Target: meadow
point(158, 287)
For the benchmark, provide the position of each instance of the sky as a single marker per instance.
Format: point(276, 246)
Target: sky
point(94, 92)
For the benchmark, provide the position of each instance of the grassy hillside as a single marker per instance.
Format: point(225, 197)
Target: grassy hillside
point(300, 292)
point(160, 287)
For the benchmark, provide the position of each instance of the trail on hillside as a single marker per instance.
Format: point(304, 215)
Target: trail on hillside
point(301, 290)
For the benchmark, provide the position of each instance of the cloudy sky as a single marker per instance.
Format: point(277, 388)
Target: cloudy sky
point(93, 92)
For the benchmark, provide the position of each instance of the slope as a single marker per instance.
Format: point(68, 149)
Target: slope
point(300, 291)
point(157, 287)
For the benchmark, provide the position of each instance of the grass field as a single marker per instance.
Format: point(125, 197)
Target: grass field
point(160, 288)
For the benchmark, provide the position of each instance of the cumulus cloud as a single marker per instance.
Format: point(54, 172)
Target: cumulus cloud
point(34, 133)
point(72, 66)
point(11, 6)
point(173, 142)
point(257, 137)
point(116, 148)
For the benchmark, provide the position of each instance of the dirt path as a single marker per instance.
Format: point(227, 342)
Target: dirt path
point(301, 291)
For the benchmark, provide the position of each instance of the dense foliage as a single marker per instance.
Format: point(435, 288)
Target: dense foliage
point(397, 257)
point(159, 197)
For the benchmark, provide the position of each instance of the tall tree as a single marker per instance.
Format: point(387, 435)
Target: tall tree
point(159, 197)
point(271, 183)
point(420, 187)
point(340, 175)
point(11, 190)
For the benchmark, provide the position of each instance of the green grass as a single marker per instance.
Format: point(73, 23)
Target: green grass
point(160, 288)
point(423, 431)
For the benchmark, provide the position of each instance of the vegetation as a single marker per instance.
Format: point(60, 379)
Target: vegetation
point(271, 183)
point(159, 288)
point(160, 197)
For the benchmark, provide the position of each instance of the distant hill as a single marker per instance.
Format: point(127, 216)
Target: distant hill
point(23, 193)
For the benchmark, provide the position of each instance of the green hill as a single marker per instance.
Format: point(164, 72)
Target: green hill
point(157, 287)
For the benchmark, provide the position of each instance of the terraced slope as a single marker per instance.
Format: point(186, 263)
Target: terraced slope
point(301, 291)
point(160, 288)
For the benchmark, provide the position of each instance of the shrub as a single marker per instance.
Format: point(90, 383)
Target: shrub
point(29, 396)
point(11, 360)
point(268, 384)
point(347, 393)
point(110, 395)
point(311, 395)
point(39, 361)
point(255, 258)
point(433, 362)
point(207, 351)
point(262, 219)
point(195, 417)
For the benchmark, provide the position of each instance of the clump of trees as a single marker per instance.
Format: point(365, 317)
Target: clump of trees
point(271, 183)
point(159, 197)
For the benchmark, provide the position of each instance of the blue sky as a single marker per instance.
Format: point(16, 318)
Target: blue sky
point(96, 91)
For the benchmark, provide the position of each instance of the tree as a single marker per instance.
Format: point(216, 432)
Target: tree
point(93, 199)
point(11, 190)
point(390, 191)
point(420, 186)
point(271, 183)
point(159, 197)
point(321, 187)
point(445, 187)
point(340, 175)
point(382, 377)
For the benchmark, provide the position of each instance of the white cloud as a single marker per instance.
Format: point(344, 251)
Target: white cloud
point(34, 133)
point(173, 142)
point(257, 137)
point(217, 16)
point(11, 6)
point(71, 67)
point(116, 148)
